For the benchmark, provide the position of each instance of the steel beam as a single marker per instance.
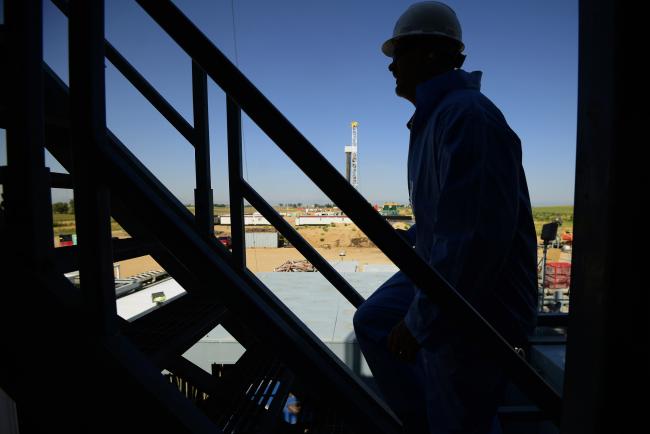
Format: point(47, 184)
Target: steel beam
point(67, 258)
point(235, 178)
point(26, 180)
point(607, 344)
point(203, 200)
point(303, 246)
point(88, 134)
point(150, 93)
point(142, 85)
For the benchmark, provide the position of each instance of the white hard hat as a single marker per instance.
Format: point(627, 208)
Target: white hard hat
point(426, 19)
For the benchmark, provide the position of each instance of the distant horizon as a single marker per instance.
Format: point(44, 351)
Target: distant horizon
point(323, 202)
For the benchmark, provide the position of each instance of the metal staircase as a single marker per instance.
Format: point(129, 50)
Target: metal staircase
point(104, 372)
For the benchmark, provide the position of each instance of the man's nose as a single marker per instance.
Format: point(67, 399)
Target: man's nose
point(391, 67)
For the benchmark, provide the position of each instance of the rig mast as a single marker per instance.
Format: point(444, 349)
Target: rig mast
point(352, 158)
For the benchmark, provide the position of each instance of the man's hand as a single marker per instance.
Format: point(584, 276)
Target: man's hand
point(402, 344)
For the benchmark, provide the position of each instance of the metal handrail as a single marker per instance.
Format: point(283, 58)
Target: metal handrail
point(326, 177)
point(302, 245)
point(243, 94)
point(142, 85)
point(239, 189)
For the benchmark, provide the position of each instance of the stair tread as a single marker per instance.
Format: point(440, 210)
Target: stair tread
point(175, 325)
point(263, 384)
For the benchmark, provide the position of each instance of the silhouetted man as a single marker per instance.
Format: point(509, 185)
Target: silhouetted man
point(473, 225)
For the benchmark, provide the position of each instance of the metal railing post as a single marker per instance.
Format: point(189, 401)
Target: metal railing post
point(88, 134)
point(203, 200)
point(27, 184)
point(233, 113)
point(302, 245)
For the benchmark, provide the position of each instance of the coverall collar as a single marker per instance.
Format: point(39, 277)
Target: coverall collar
point(429, 93)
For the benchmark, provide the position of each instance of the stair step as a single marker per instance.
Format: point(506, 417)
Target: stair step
point(67, 258)
point(248, 398)
point(263, 386)
point(171, 330)
point(201, 265)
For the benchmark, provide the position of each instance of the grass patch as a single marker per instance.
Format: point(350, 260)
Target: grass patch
point(547, 214)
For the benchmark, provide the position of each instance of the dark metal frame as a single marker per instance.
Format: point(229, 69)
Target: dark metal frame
point(605, 352)
point(323, 174)
point(56, 180)
point(27, 186)
point(205, 268)
point(607, 347)
point(235, 180)
point(66, 259)
point(301, 244)
point(88, 132)
point(83, 352)
point(203, 199)
point(146, 89)
point(92, 196)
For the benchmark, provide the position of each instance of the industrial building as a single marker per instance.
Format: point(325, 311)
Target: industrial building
point(262, 240)
point(321, 220)
point(249, 220)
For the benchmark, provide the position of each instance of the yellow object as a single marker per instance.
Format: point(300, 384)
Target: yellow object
point(158, 297)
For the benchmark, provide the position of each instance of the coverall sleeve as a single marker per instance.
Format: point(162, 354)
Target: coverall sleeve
point(475, 219)
point(410, 234)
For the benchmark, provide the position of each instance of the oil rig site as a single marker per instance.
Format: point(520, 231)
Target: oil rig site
point(213, 342)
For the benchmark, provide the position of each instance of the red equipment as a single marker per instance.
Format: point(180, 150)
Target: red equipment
point(558, 275)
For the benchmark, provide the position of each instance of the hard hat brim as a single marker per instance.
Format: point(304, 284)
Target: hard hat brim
point(388, 47)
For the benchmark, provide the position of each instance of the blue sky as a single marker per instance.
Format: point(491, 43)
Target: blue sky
point(320, 64)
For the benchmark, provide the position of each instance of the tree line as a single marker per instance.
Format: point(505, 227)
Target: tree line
point(63, 207)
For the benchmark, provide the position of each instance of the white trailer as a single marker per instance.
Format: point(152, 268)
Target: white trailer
point(249, 220)
point(321, 220)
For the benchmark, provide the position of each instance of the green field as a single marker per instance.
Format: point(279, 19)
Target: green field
point(547, 214)
point(547, 210)
point(65, 224)
point(541, 216)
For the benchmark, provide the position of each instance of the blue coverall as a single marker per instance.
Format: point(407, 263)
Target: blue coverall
point(474, 225)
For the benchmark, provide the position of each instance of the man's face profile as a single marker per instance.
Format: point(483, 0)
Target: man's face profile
point(411, 65)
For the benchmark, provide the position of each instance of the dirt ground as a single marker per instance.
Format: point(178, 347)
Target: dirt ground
point(136, 266)
point(265, 260)
point(329, 241)
point(334, 236)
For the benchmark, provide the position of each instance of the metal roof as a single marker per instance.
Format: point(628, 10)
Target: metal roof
point(309, 295)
